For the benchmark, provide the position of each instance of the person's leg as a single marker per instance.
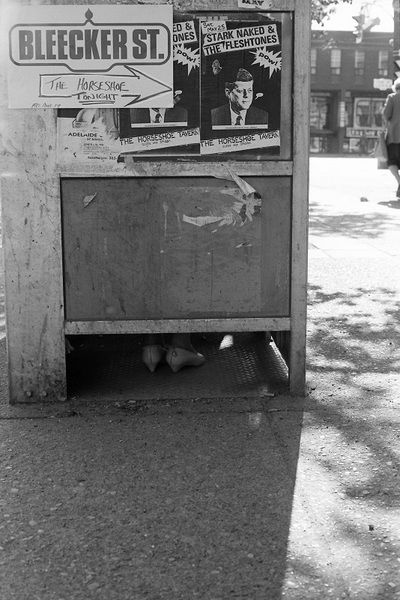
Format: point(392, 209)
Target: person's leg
point(393, 163)
point(153, 351)
point(181, 353)
point(151, 339)
point(394, 169)
point(395, 172)
point(182, 340)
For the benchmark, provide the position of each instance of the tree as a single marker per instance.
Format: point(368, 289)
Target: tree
point(320, 9)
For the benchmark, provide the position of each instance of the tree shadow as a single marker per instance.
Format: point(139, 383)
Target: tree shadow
point(356, 225)
point(353, 432)
point(352, 344)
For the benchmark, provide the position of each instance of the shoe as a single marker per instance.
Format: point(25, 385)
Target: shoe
point(177, 358)
point(152, 356)
point(398, 192)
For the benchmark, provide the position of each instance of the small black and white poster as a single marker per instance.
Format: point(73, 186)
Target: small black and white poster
point(240, 85)
point(157, 127)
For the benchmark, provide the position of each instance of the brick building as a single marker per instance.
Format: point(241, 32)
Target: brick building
point(349, 85)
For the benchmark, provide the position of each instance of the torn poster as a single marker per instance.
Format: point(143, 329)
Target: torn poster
point(157, 127)
point(257, 4)
point(240, 85)
point(88, 136)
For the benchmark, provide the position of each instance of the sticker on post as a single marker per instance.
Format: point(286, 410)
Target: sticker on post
point(258, 4)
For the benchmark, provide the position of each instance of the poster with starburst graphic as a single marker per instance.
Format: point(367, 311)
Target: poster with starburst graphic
point(175, 129)
point(240, 85)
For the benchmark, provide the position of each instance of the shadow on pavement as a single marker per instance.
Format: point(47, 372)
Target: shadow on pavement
point(116, 498)
point(351, 435)
point(176, 500)
point(353, 341)
point(371, 224)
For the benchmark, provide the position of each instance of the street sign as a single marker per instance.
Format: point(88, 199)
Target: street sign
point(383, 84)
point(355, 132)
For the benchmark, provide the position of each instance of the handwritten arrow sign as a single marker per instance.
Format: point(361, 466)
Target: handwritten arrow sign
point(107, 56)
point(102, 90)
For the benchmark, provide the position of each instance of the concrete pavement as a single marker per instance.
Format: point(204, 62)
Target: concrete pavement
point(226, 498)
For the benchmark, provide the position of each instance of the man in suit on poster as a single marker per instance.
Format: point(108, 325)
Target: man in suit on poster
point(158, 116)
point(239, 112)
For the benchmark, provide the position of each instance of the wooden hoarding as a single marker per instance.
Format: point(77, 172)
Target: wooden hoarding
point(97, 196)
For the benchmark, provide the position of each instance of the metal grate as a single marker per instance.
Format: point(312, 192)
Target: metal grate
point(237, 365)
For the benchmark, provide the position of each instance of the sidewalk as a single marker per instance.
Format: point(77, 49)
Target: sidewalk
point(351, 431)
point(254, 497)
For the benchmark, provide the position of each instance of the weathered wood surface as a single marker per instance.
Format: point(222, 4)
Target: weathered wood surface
point(142, 168)
point(188, 5)
point(177, 325)
point(301, 145)
point(32, 221)
point(32, 249)
point(175, 248)
point(229, 5)
point(32, 256)
point(286, 125)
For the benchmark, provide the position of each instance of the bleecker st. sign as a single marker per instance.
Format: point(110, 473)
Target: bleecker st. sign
point(106, 45)
point(64, 59)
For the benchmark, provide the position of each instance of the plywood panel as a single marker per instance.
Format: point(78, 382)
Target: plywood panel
point(175, 248)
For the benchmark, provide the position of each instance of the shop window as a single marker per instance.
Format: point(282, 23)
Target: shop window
point(383, 63)
point(359, 64)
point(368, 112)
point(377, 107)
point(320, 145)
point(313, 61)
point(336, 56)
point(321, 111)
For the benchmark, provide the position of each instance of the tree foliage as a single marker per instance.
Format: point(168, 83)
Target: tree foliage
point(320, 9)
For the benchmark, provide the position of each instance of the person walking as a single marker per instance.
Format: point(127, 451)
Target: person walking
point(391, 121)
